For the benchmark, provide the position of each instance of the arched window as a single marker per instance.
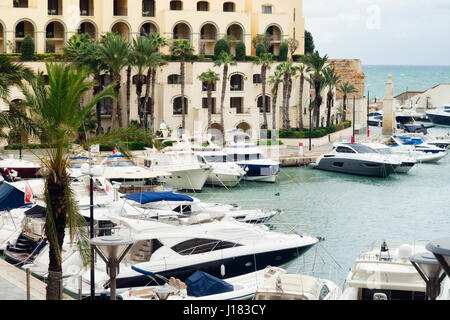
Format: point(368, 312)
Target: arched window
point(122, 29)
point(89, 28)
point(55, 37)
point(148, 29)
point(23, 28)
point(182, 31)
point(176, 5)
point(203, 6)
point(236, 82)
point(174, 79)
point(229, 7)
point(177, 106)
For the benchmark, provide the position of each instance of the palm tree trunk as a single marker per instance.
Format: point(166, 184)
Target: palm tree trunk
point(222, 100)
point(183, 105)
point(152, 104)
point(329, 101)
point(209, 95)
point(139, 86)
point(128, 94)
point(274, 110)
point(318, 102)
point(98, 110)
point(300, 103)
point(263, 80)
point(57, 200)
point(345, 108)
point(114, 113)
point(284, 106)
point(147, 94)
point(288, 98)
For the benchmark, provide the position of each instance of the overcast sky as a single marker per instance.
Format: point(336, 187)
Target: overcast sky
point(390, 32)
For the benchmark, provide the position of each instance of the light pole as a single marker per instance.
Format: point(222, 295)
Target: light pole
point(368, 104)
point(353, 137)
point(431, 272)
point(310, 121)
point(112, 249)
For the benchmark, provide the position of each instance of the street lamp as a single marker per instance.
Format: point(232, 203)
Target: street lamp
point(92, 172)
point(353, 136)
point(431, 272)
point(310, 121)
point(112, 249)
point(441, 250)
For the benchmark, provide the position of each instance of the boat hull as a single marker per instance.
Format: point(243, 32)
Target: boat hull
point(357, 167)
point(192, 179)
point(223, 179)
point(439, 120)
point(24, 173)
point(234, 266)
point(260, 173)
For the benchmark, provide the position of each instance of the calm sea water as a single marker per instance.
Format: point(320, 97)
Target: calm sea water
point(413, 78)
point(351, 212)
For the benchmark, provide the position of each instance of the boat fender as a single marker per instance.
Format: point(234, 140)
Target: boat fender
point(222, 270)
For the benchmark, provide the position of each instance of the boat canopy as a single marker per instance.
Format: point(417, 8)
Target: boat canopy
point(11, 197)
point(147, 197)
point(201, 284)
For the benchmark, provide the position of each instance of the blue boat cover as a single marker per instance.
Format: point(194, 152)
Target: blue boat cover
point(147, 197)
point(10, 197)
point(201, 284)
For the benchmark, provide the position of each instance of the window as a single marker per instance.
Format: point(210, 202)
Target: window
point(20, 3)
point(148, 8)
point(177, 107)
point(196, 246)
point(205, 86)
point(229, 7)
point(202, 6)
point(86, 7)
point(344, 150)
point(236, 82)
point(176, 5)
point(260, 104)
point(54, 7)
point(120, 8)
point(174, 79)
point(106, 106)
point(237, 103)
point(257, 78)
point(267, 9)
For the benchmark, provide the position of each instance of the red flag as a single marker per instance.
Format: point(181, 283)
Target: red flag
point(28, 194)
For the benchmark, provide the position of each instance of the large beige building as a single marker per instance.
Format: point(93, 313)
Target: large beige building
point(51, 22)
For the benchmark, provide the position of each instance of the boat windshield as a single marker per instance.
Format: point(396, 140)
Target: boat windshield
point(121, 164)
point(362, 148)
point(384, 151)
point(214, 159)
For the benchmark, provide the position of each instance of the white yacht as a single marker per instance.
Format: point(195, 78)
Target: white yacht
point(18, 168)
point(190, 210)
point(187, 172)
point(440, 116)
point(356, 159)
point(385, 273)
point(290, 286)
point(221, 249)
point(224, 173)
point(251, 159)
point(423, 154)
point(201, 286)
point(407, 163)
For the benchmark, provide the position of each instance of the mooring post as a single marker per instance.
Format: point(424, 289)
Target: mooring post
point(28, 284)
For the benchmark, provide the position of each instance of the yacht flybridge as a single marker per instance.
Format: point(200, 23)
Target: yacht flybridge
point(356, 159)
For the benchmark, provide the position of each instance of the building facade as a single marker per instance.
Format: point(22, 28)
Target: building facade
point(52, 22)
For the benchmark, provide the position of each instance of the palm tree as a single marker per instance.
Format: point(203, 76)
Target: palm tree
point(275, 80)
point(265, 60)
point(12, 74)
point(182, 48)
point(115, 51)
point(209, 78)
point(226, 60)
point(346, 88)
point(302, 69)
point(331, 81)
point(288, 71)
point(82, 52)
point(56, 108)
point(316, 64)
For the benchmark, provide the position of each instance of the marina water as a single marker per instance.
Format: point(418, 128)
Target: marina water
point(351, 212)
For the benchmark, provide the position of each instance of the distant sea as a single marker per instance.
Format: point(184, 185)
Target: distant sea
point(412, 78)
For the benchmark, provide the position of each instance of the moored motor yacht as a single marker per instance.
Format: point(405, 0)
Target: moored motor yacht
point(221, 249)
point(385, 273)
point(356, 159)
point(424, 153)
point(440, 116)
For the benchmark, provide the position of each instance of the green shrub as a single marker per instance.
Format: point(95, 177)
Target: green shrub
point(240, 51)
point(27, 49)
point(220, 46)
point(260, 49)
point(284, 50)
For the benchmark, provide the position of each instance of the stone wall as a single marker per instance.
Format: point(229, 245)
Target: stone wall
point(350, 70)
